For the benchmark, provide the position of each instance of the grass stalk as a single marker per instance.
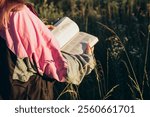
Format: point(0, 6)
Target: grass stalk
point(109, 93)
point(107, 77)
point(129, 61)
point(98, 81)
point(69, 89)
point(145, 76)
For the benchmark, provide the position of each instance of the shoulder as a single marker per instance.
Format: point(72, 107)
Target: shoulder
point(23, 13)
point(25, 21)
point(23, 18)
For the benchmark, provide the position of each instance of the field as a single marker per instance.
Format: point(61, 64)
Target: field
point(122, 53)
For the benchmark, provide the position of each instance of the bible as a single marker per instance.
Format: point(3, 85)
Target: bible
point(70, 39)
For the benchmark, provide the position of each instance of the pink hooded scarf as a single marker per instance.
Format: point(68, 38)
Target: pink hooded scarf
point(27, 36)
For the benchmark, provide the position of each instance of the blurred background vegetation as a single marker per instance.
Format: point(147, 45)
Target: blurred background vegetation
point(122, 27)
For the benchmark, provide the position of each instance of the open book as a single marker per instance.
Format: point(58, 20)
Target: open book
point(71, 40)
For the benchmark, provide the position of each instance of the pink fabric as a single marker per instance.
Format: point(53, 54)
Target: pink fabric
point(27, 36)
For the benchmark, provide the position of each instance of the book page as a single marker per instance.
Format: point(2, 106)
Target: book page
point(65, 30)
point(78, 43)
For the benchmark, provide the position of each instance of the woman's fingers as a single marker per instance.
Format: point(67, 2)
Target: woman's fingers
point(88, 49)
point(51, 27)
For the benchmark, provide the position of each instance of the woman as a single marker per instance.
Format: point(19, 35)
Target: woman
point(32, 56)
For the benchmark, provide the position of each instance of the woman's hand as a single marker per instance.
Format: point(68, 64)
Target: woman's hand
point(89, 50)
point(51, 27)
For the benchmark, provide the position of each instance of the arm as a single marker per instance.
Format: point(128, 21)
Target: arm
point(79, 66)
point(29, 37)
